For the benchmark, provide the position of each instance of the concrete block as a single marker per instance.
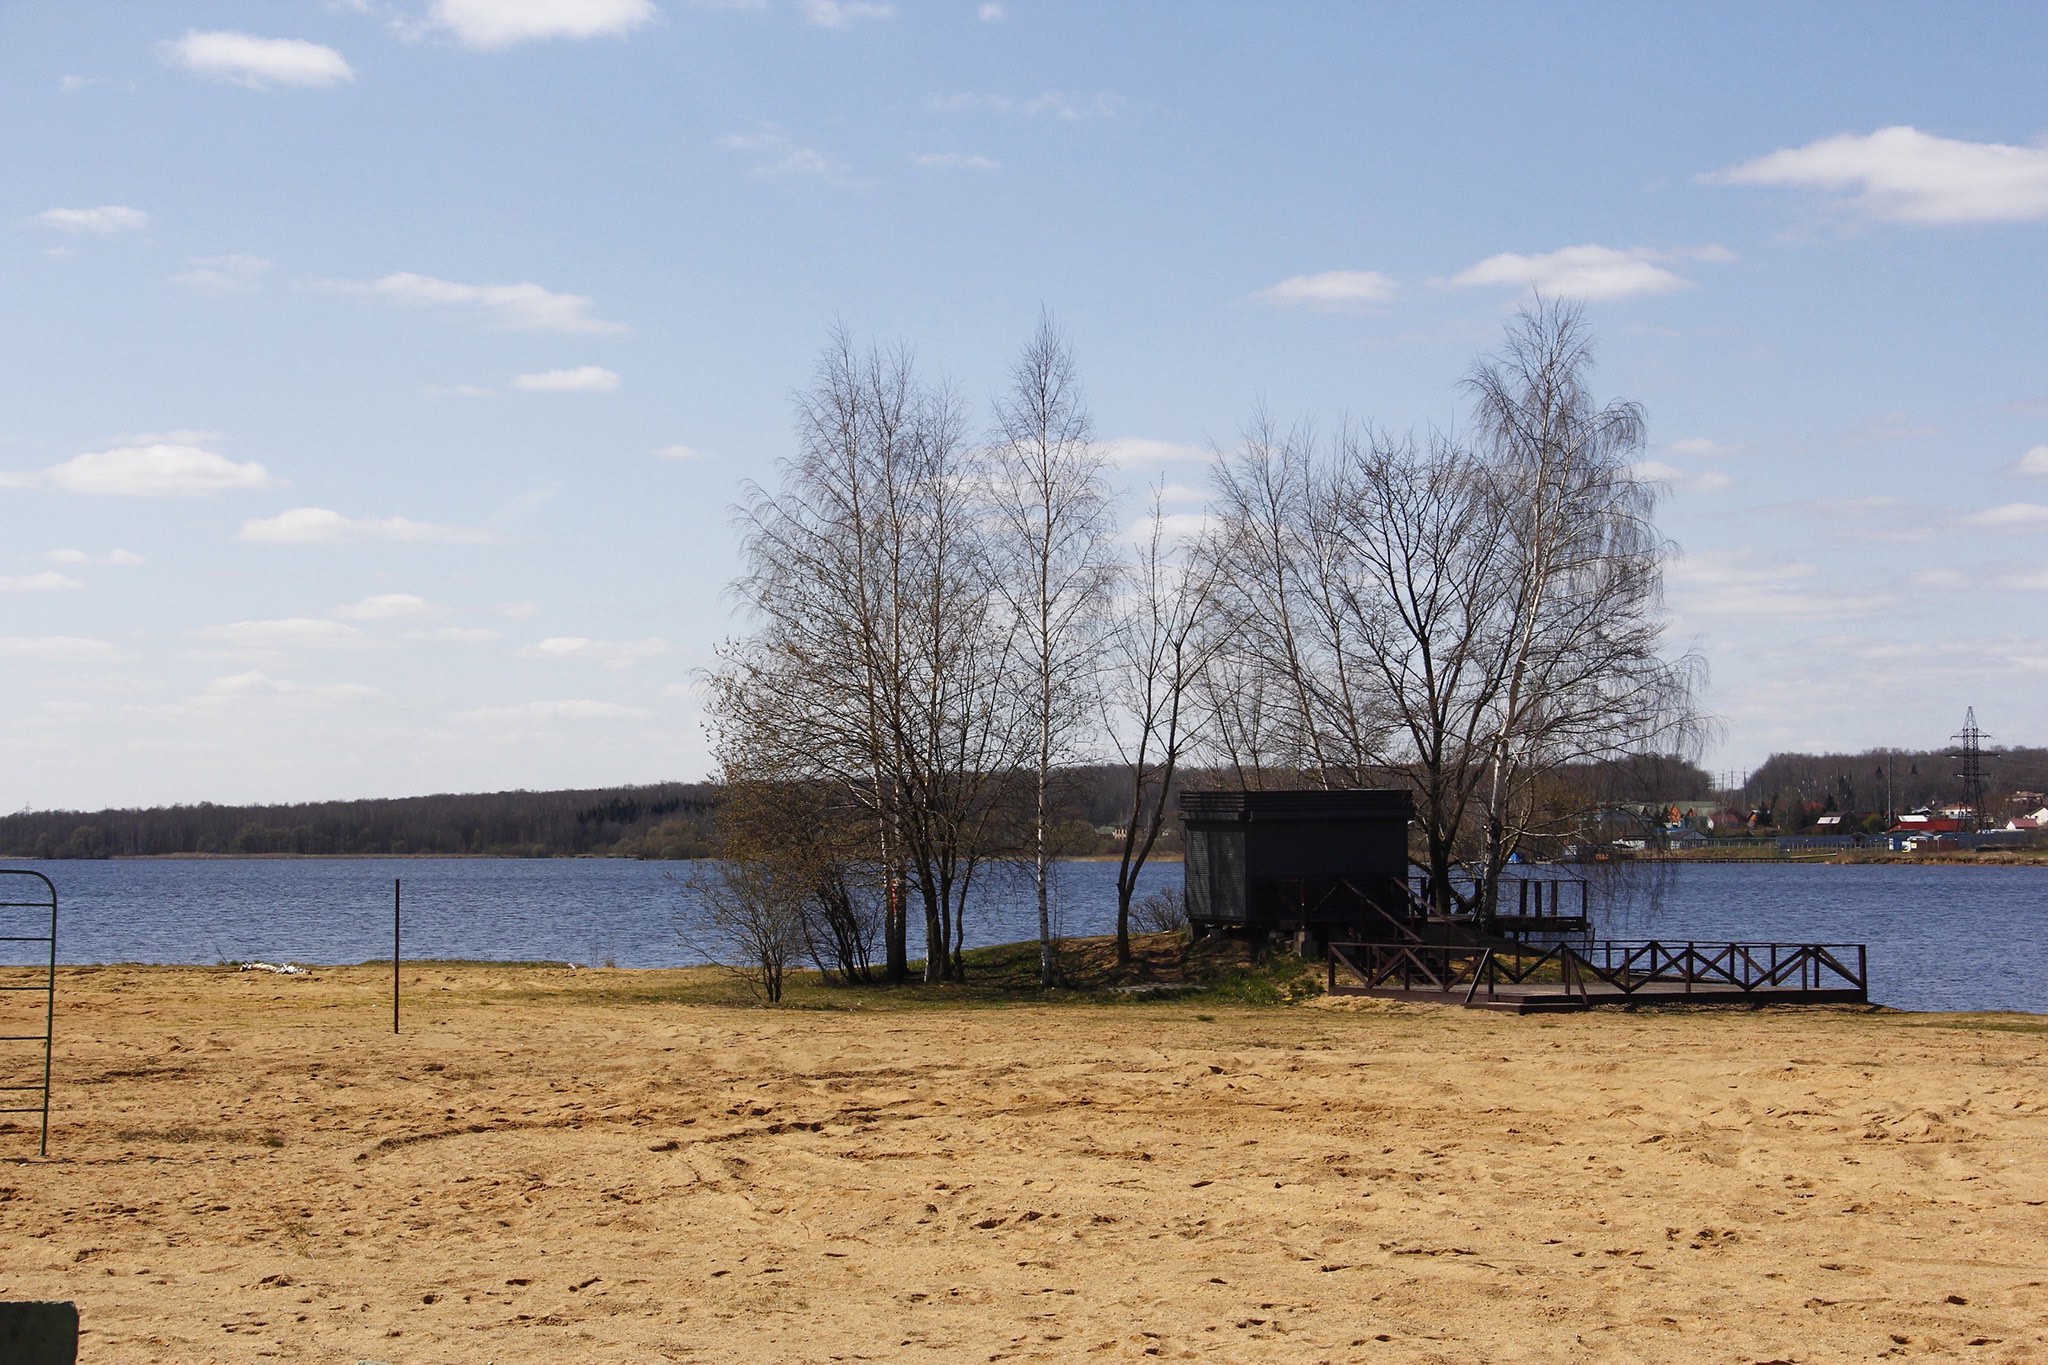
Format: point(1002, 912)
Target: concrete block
point(39, 1333)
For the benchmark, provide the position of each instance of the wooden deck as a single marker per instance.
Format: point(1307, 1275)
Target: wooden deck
point(1528, 979)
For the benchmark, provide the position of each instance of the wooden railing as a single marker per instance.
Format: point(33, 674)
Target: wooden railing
point(1629, 965)
point(1520, 898)
point(1609, 968)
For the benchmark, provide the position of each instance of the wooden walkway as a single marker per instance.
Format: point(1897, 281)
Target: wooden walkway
point(1531, 979)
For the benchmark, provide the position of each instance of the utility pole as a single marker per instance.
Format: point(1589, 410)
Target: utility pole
point(1972, 755)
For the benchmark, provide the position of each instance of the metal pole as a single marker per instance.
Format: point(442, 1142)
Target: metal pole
point(49, 1023)
point(394, 953)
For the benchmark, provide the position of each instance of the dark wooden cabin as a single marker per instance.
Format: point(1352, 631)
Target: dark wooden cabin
point(1328, 865)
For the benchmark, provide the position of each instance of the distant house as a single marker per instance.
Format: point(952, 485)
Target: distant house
point(1925, 821)
point(1684, 840)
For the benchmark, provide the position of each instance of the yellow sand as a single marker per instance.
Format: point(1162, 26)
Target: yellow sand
point(549, 1167)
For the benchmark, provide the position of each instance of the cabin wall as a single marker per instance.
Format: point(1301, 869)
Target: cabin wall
point(1248, 854)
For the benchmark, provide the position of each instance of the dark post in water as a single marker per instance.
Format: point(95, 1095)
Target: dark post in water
point(394, 953)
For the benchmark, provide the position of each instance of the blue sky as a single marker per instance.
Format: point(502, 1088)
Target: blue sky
point(378, 376)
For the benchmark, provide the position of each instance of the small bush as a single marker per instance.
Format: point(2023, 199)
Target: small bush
point(1160, 912)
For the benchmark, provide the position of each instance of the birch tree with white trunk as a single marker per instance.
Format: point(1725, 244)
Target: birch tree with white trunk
point(1050, 503)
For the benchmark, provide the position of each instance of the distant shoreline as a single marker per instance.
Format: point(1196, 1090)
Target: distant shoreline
point(1810, 858)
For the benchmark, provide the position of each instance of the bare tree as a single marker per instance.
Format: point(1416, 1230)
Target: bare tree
point(1411, 582)
point(1260, 688)
point(1051, 509)
point(1582, 672)
point(1157, 651)
point(749, 919)
point(820, 845)
point(874, 663)
point(1465, 623)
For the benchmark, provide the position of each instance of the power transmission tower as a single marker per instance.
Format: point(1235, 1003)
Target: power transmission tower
point(1972, 755)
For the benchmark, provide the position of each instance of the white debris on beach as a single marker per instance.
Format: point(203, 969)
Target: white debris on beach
point(282, 969)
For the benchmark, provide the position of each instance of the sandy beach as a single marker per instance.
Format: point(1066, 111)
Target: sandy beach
point(556, 1166)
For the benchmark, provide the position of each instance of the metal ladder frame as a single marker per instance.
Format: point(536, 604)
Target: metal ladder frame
point(10, 903)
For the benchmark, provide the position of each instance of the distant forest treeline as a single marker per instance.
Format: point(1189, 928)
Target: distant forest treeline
point(664, 820)
point(677, 819)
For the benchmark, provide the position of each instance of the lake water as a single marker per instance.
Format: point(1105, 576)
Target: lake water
point(1941, 938)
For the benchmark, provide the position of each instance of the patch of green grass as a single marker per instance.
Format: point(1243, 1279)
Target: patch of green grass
point(1165, 970)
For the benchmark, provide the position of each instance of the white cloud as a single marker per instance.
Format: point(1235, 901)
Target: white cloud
point(459, 391)
point(844, 13)
point(1068, 105)
point(582, 379)
point(1940, 580)
point(1700, 448)
point(71, 85)
point(2013, 516)
point(59, 649)
point(1175, 528)
point(956, 161)
point(680, 452)
point(246, 687)
point(146, 471)
point(1908, 176)
point(1877, 519)
point(612, 654)
point(2034, 461)
point(1130, 450)
point(1683, 480)
point(1331, 289)
point(992, 12)
point(258, 63)
point(388, 606)
point(323, 526)
point(103, 221)
point(778, 155)
point(2035, 580)
point(495, 24)
point(125, 558)
point(1741, 584)
point(221, 274)
point(515, 307)
point(515, 611)
point(540, 712)
point(1590, 271)
point(520, 508)
point(46, 581)
point(295, 632)
point(466, 635)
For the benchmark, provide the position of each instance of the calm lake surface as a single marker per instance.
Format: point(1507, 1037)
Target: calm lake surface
point(1941, 938)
